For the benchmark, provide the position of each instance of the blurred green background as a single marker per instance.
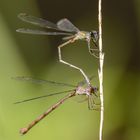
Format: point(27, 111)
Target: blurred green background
point(36, 56)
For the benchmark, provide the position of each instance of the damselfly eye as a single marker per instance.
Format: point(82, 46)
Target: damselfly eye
point(93, 89)
point(94, 35)
point(96, 89)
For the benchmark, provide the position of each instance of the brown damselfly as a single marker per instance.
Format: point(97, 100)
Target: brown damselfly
point(66, 28)
point(88, 91)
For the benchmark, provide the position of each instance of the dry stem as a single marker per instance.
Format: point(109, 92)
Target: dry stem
point(100, 70)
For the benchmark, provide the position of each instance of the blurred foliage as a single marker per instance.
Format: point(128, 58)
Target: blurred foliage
point(36, 56)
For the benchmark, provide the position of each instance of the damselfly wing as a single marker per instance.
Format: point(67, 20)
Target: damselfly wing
point(63, 27)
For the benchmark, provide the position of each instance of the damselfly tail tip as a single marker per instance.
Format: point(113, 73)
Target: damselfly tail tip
point(23, 131)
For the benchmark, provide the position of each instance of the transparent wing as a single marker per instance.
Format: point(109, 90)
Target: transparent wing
point(80, 98)
point(38, 97)
point(66, 25)
point(39, 32)
point(40, 81)
point(81, 83)
point(37, 21)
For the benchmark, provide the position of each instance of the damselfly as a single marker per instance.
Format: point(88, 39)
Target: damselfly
point(63, 27)
point(80, 89)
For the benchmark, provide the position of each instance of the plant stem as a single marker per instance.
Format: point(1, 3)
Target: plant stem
point(100, 70)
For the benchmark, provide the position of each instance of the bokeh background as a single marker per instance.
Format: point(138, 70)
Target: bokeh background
point(36, 56)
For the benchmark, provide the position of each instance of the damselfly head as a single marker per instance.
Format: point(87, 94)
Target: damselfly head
point(95, 89)
point(94, 35)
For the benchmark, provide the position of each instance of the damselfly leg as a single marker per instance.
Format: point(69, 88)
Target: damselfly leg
point(91, 104)
point(71, 65)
